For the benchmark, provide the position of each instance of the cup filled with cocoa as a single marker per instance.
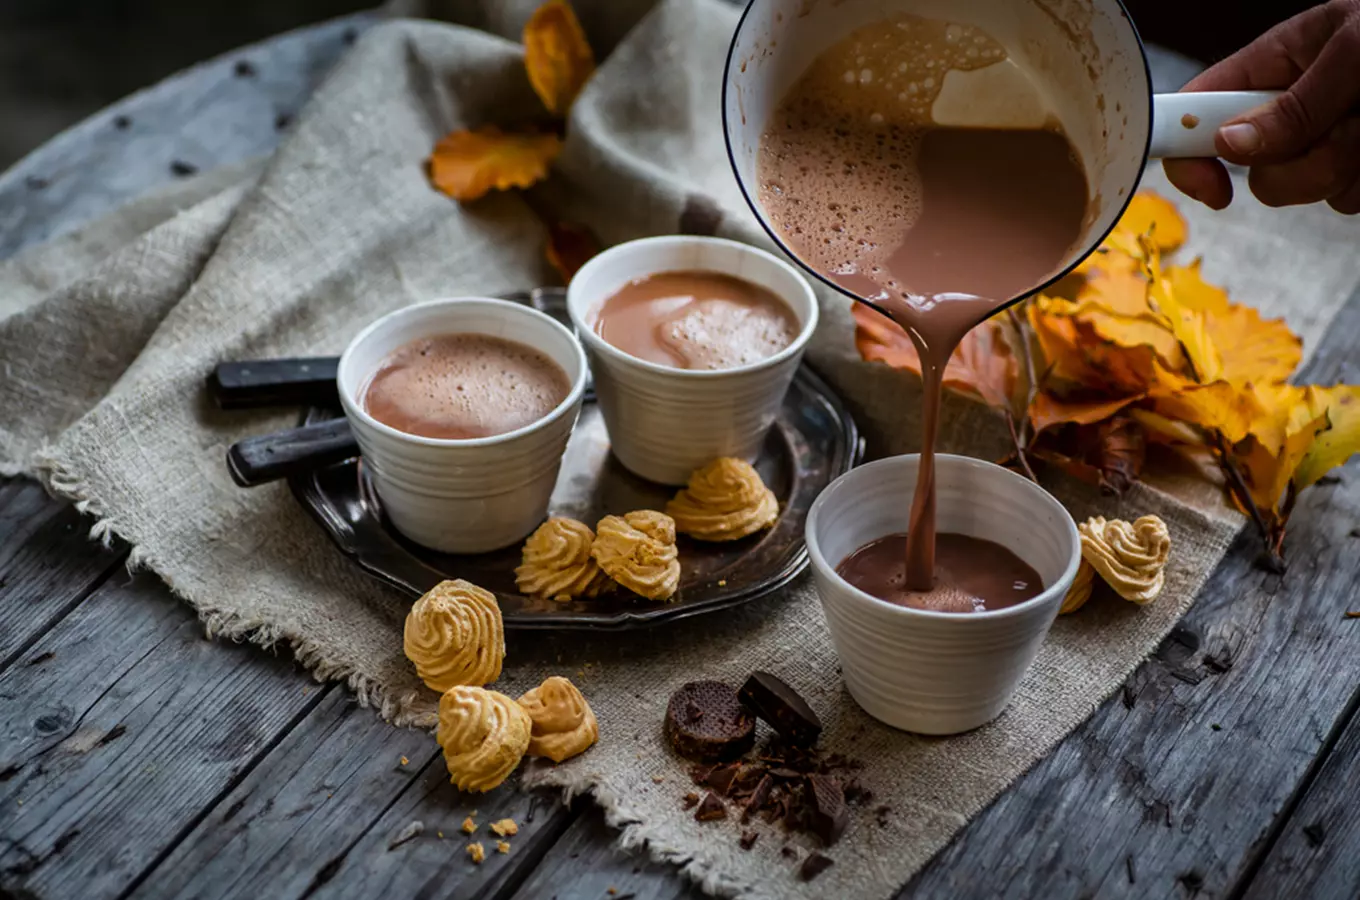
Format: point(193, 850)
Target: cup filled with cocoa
point(462, 409)
point(944, 657)
point(693, 342)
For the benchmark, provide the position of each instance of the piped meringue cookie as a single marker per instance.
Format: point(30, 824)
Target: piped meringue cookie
point(484, 735)
point(455, 636)
point(1080, 591)
point(638, 551)
point(1130, 557)
point(724, 501)
point(563, 723)
point(556, 562)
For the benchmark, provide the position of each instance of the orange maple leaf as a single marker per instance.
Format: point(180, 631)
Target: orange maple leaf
point(557, 56)
point(983, 365)
point(467, 165)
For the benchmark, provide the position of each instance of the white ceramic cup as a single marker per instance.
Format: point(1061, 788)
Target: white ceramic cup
point(665, 422)
point(463, 496)
point(1080, 62)
point(933, 672)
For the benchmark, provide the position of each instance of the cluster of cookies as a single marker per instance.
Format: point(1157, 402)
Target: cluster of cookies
point(564, 559)
point(455, 637)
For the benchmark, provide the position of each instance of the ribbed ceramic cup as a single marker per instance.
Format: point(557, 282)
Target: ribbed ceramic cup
point(665, 422)
point(463, 496)
point(933, 672)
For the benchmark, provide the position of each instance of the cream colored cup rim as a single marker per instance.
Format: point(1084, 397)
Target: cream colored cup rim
point(942, 460)
point(354, 409)
point(600, 345)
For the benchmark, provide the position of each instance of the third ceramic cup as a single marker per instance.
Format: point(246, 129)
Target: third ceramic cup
point(664, 421)
point(938, 672)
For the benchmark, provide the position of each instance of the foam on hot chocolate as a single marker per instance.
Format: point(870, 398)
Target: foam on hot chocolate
point(463, 386)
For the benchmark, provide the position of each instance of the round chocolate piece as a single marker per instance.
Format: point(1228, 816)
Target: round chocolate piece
point(706, 721)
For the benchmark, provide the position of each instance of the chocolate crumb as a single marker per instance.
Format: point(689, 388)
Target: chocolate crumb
point(710, 809)
point(881, 815)
point(244, 69)
point(788, 852)
point(282, 121)
point(720, 779)
point(182, 169)
point(757, 798)
point(699, 774)
point(36, 182)
point(748, 839)
point(691, 800)
point(827, 814)
point(814, 865)
point(122, 123)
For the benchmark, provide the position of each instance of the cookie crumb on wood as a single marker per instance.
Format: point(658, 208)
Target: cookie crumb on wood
point(476, 852)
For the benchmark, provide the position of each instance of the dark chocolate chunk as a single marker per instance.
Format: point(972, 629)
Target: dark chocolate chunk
point(827, 813)
point(780, 705)
point(814, 865)
point(786, 774)
point(691, 800)
point(721, 778)
point(705, 721)
point(788, 851)
point(182, 169)
point(748, 839)
point(710, 809)
point(244, 69)
point(757, 799)
point(700, 773)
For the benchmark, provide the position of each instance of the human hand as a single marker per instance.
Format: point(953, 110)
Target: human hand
point(1304, 146)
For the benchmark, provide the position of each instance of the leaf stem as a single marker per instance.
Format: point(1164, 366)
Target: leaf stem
point(1020, 454)
point(1238, 486)
point(1031, 386)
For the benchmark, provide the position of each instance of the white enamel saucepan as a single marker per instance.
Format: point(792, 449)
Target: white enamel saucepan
point(1079, 61)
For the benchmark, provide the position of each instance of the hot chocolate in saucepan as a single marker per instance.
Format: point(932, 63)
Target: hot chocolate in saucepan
point(939, 227)
point(464, 386)
point(696, 320)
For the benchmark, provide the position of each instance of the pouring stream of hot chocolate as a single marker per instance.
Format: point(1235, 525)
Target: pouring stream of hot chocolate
point(938, 227)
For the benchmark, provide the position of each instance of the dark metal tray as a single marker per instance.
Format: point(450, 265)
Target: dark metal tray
point(813, 441)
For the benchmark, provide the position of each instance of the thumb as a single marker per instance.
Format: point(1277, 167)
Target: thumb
point(1298, 118)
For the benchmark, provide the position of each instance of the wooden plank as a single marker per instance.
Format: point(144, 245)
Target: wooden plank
point(1174, 785)
point(48, 565)
point(431, 865)
point(214, 114)
point(1317, 850)
point(118, 733)
point(314, 796)
point(587, 863)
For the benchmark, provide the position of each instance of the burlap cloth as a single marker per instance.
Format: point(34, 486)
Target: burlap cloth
point(106, 336)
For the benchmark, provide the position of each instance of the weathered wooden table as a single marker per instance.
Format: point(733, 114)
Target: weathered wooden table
point(1225, 767)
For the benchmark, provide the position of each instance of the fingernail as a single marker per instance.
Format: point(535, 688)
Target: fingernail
point(1243, 137)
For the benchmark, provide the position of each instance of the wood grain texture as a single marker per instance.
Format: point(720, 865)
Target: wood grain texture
point(217, 113)
point(314, 796)
point(1172, 787)
point(1318, 850)
point(429, 865)
point(48, 564)
point(587, 863)
point(120, 732)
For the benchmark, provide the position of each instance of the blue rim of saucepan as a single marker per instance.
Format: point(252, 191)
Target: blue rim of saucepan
point(820, 562)
point(779, 242)
point(354, 409)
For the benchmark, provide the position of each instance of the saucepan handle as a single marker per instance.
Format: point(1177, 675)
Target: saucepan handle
point(269, 457)
point(1184, 125)
point(275, 382)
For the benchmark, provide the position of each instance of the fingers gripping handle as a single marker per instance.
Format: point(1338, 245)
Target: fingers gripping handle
point(1184, 125)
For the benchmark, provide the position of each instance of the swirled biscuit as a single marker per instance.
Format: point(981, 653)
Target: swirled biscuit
point(724, 501)
point(556, 562)
point(484, 735)
point(564, 724)
point(638, 551)
point(454, 635)
point(1131, 558)
point(1080, 591)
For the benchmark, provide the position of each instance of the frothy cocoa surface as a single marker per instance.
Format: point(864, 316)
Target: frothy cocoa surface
point(971, 574)
point(462, 386)
point(697, 320)
point(939, 227)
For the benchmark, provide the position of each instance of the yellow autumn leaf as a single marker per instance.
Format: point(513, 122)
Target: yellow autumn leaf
point(468, 164)
point(1341, 439)
point(1220, 406)
point(1149, 213)
point(1267, 473)
point(557, 56)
